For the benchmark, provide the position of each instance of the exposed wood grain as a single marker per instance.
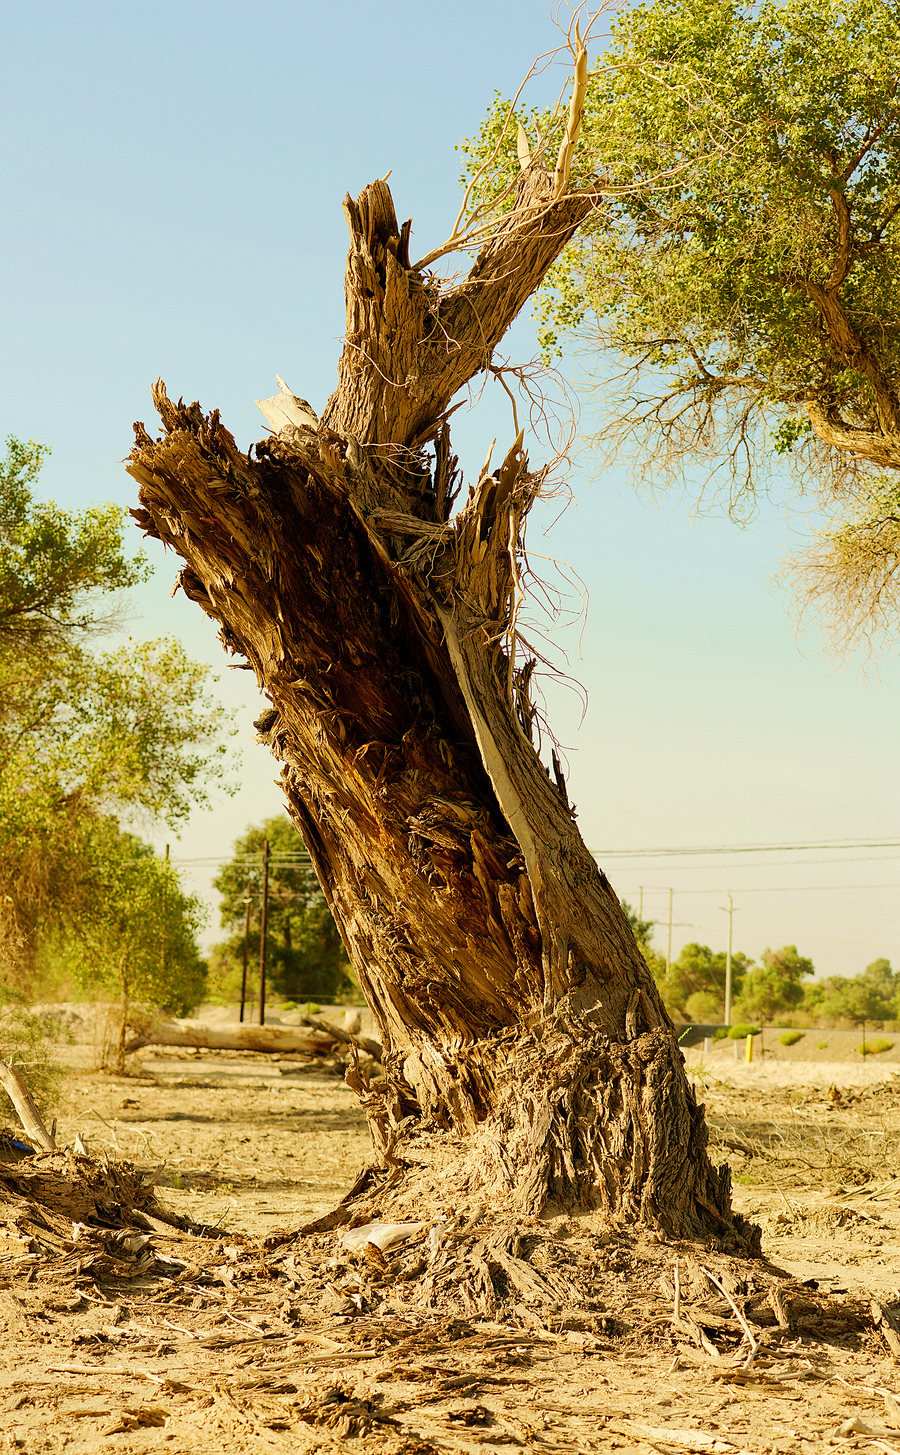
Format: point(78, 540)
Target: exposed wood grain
point(523, 1035)
point(14, 1085)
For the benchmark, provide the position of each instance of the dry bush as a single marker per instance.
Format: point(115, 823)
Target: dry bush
point(805, 1154)
point(31, 1043)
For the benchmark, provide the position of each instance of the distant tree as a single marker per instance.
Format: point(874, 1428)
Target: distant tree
point(870, 998)
point(135, 935)
point(83, 734)
point(774, 986)
point(885, 981)
point(306, 959)
point(695, 984)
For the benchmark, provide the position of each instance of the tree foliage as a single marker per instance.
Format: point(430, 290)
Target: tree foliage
point(136, 934)
point(694, 987)
point(87, 737)
point(305, 957)
point(775, 985)
point(56, 566)
point(849, 573)
point(739, 274)
point(872, 997)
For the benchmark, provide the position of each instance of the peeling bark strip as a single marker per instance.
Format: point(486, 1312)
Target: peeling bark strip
point(513, 1004)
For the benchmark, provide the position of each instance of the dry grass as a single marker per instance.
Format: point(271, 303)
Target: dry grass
point(831, 1141)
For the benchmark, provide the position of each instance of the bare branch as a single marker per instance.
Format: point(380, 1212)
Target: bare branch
point(850, 574)
point(576, 113)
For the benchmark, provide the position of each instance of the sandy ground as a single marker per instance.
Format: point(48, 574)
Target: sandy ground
point(241, 1359)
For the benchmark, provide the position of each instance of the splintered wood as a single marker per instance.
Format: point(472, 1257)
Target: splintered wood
point(380, 611)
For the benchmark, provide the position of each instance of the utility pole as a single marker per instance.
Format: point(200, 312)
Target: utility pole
point(729, 910)
point(263, 931)
point(165, 926)
point(669, 940)
point(246, 946)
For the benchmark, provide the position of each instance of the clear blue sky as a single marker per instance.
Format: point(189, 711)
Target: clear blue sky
point(172, 179)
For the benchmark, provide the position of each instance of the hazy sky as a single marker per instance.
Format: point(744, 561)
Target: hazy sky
point(172, 179)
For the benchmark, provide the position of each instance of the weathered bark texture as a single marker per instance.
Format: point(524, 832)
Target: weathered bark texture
point(519, 1021)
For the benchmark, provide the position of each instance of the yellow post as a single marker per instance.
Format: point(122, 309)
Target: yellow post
point(749, 1051)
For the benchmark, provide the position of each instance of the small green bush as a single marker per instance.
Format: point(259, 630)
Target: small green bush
point(823, 1045)
point(29, 1042)
point(720, 1034)
point(740, 1033)
point(790, 1038)
point(875, 1048)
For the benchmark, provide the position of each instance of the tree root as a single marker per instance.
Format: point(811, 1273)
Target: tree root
point(558, 1117)
point(594, 1285)
point(570, 1279)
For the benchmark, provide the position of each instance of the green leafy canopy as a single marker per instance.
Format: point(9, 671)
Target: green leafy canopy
point(719, 136)
point(306, 958)
point(54, 564)
point(87, 737)
point(737, 280)
point(139, 938)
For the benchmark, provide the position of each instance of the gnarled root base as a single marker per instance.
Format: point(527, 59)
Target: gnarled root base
point(567, 1272)
point(558, 1117)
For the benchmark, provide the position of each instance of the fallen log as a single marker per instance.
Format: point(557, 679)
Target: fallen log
point(313, 1038)
point(272, 1040)
point(348, 1038)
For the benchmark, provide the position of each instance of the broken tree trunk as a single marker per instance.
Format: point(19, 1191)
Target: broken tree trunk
point(524, 1037)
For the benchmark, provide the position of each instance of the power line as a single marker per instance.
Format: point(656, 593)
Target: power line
point(298, 860)
point(774, 864)
point(209, 860)
point(688, 851)
point(774, 888)
point(699, 850)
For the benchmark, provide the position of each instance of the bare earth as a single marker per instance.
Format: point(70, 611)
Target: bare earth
point(227, 1345)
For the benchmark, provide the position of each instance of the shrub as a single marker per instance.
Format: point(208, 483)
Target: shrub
point(875, 1048)
point(790, 1038)
point(740, 1032)
point(720, 1033)
point(704, 1007)
point(823, 1045)
point(29, 1043)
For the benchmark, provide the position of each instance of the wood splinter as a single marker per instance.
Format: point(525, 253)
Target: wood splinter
point(28, 1114)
